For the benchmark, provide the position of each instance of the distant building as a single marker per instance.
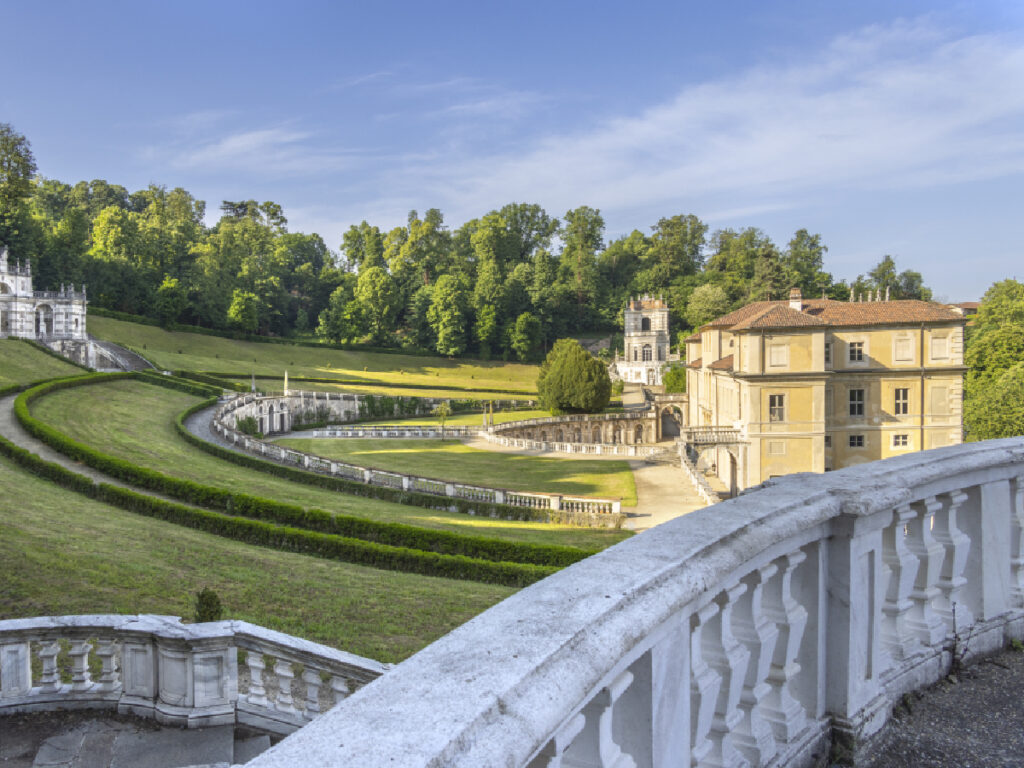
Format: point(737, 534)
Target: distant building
point(813, 385)
point(39, 315)
point(647, 342)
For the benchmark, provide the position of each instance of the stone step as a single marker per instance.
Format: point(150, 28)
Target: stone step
point(111, 744)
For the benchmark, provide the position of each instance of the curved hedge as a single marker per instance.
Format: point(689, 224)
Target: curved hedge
point(256, 508)
point(282, 537)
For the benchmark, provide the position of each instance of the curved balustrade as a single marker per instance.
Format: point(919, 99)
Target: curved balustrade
point(584, 510)
point(180, 674)
point(744, 634)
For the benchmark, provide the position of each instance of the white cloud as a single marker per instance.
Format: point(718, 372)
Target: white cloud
point(270, 151)
point(903, 105)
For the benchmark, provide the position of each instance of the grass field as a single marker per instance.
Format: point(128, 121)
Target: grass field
point(190, 351)
point(451, 460)
point(61, 553)
point(135, 421)
point(21, 363)
point(276, 386)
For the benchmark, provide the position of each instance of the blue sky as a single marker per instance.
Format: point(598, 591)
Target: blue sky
point(887, 127)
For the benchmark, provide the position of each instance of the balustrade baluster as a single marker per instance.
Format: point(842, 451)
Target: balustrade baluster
point(257, 695)
point(787, 716)
point(922, 619)
point(311, 677)
point(729, 657)
point(284, 702)
point(81, 680)
point(109, 679)
point(1017, 542)
point(897, 638)
point(551, 755)
point(956, 544)
point(595, 746)
point(49, 681)
point(705, 683)
point(339, 689)
point(755, 629)
point(15, 669)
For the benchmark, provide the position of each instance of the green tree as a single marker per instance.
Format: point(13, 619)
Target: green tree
point(170, 301)
point(803, 262)
point(526, 337)
point(572, 380)
point(447, 315)
point(363, 247)
point(883, 278)
point(16, 168)
point(342, 318)
point(582, 235)
point(676, 251)
point(706, 303)
point(442, 410)
point(674, 378)
point(996, 409)
point(243, 313)
point(378, 298)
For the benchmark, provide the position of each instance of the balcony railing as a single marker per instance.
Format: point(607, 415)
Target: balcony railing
point(748, 633)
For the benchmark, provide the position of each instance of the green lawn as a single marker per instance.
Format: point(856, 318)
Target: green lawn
point(451, 460)
point(61, 553)
point(135, 421)
point(196, 352)
point(21, 363)
point(276, 386)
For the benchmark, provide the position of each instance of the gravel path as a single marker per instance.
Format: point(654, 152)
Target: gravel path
point(976, 723)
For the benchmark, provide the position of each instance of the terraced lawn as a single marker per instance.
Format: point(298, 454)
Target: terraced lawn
point(177, 350)
point(276, 386)
point(61, 553)
point(452, 460)
point(465, 419)
point(135, 421)
point(21, 363)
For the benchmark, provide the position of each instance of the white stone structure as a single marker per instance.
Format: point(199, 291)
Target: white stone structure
point(647, 342)
point(41, 315)
point(744, 634)
point(178, 674)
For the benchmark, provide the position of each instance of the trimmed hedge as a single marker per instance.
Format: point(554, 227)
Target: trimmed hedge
point(392, 534)
point(213, 381)
point(282, 537)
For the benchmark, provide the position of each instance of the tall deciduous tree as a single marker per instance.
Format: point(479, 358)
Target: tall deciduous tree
point(447, 315)
point(378, 298)
point(16, 168)
point(582, 235)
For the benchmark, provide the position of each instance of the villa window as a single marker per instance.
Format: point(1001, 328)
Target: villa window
point(776, 407)
point(903, 350)
point(901, 405)
point(828, 441)
point(856, 351)
point(900, 441)
point(645, 324)
point(635, 354)
point(856, 441)
point(648, 355)
point(828, 354)
point(940, 347)
point(778, 355)
point(856, 402)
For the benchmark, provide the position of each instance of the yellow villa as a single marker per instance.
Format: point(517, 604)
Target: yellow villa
point(813, 385)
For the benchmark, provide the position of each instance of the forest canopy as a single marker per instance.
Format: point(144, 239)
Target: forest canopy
point(507, 284)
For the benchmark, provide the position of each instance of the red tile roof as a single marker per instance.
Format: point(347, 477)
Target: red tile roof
point(725, 364)
point(695, 337)
point(818, 312)
point(696, 363)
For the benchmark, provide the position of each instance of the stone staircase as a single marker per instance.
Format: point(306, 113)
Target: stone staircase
point(668, 455)
point(117, 742)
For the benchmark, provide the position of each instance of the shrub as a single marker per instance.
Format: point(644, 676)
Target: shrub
point(572, 380)
point(208, 607)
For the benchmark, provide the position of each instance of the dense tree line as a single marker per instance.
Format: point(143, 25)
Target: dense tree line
point(507, 284)
point(994, 354)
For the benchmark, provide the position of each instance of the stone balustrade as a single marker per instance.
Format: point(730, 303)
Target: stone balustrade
point(711, 435)
point(190, 675)
point(583, 510)
point(397, 431)
point(697, 478)
point(749, 633)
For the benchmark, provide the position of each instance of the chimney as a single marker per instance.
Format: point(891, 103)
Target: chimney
point(795, 299)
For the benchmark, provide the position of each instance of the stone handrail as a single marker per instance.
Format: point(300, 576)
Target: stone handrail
point(179, 674)
point(711, 435)
point(697, 478)
point(594, 449)
point(587, 510)
point(395, 431)
point(749, 633)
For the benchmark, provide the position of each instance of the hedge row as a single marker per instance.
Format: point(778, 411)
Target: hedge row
point(199, 389)
point(282, 537)
point(392, 534)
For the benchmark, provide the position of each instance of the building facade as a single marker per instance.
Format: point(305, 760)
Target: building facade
point(647, 344)
point(40, 315)
point(815, 385)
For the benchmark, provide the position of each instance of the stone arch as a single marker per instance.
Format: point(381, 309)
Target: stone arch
point(617, 435)
point(597, 435)
point(44, 320)
point(543, 436)
point(559, 436)
point(669, 422)
point(5, 288)
point(638, 433)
